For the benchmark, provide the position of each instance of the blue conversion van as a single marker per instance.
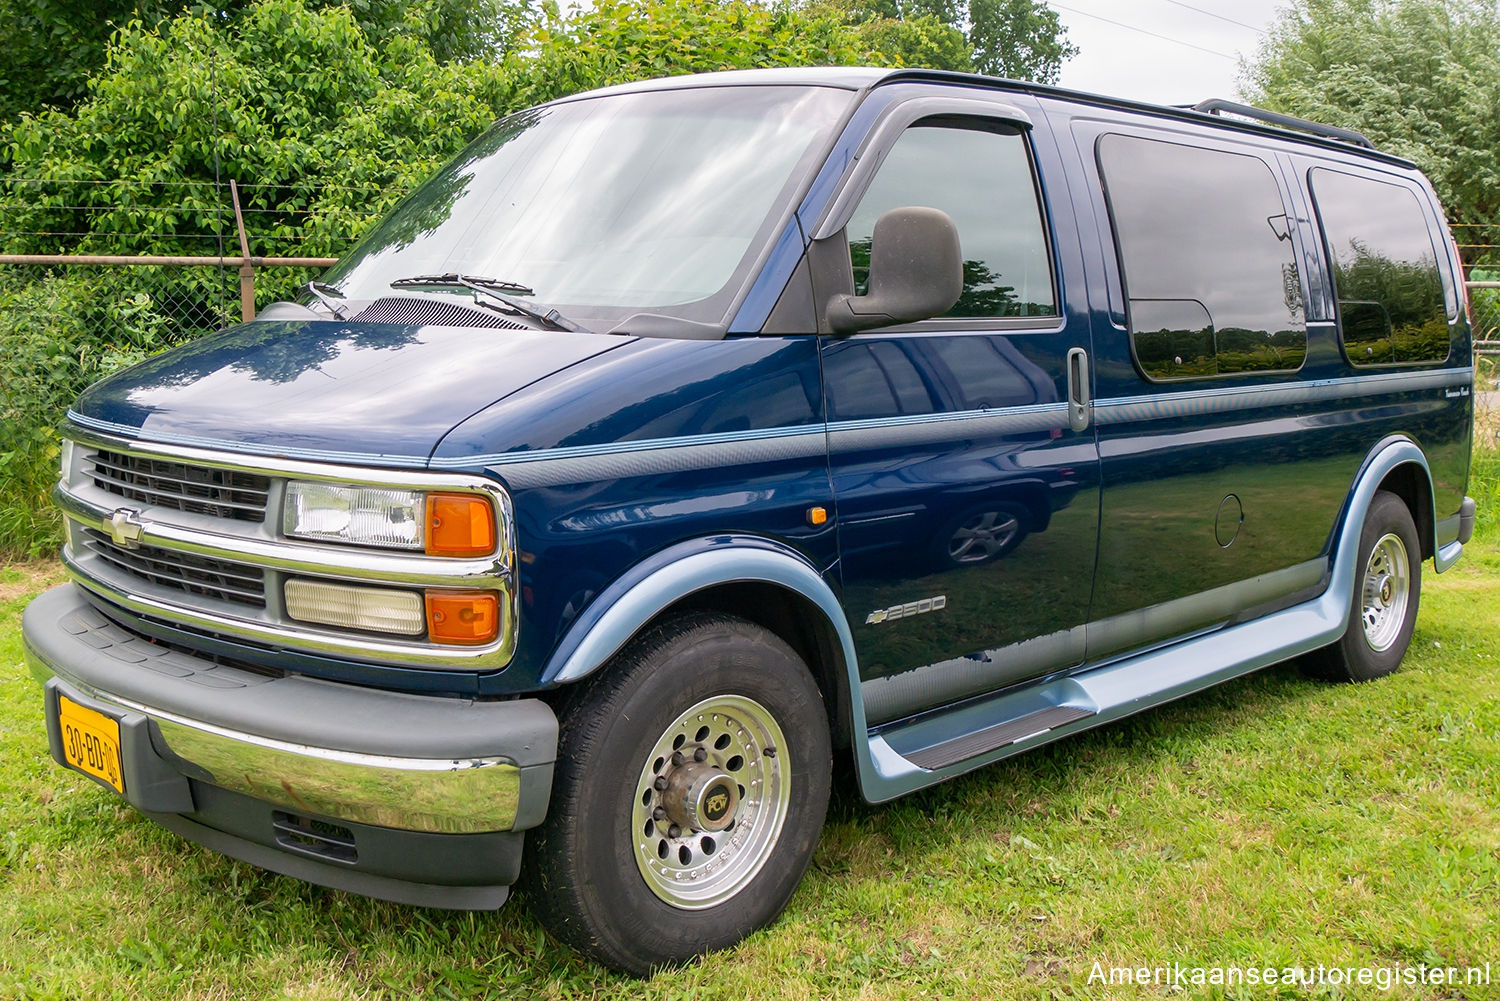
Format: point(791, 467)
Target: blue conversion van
point(680, 437)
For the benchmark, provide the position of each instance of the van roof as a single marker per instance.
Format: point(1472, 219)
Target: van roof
point(857, 78)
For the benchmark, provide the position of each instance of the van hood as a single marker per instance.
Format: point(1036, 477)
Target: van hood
point(342, 391)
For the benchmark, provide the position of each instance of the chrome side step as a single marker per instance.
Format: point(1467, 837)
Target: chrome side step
point(1001, 734)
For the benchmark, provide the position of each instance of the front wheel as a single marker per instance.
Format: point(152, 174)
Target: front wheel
point(1387, 592)
point(692, 782)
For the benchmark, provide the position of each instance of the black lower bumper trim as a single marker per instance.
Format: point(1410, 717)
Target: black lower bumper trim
point(400, 891)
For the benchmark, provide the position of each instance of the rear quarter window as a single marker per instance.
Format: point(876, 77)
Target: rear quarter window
point(1391, 309)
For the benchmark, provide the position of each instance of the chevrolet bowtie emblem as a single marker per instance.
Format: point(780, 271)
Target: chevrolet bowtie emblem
point(124, 526)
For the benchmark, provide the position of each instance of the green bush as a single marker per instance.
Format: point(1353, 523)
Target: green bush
point(52, 352)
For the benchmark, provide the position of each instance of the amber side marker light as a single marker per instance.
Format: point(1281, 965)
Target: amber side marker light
point(462, 617)
point(460, 525)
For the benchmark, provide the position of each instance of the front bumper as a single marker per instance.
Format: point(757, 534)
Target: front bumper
point(412, 798)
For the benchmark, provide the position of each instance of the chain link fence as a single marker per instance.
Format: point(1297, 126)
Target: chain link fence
point(151, 264)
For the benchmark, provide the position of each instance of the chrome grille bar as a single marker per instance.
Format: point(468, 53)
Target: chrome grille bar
point(185, 487)
point(200, 575)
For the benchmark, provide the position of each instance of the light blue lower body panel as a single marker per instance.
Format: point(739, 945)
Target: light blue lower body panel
point(1122, 688)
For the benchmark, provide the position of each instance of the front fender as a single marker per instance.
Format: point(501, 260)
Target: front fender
point(665, 578)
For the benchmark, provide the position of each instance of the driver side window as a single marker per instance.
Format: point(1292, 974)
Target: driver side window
point(980, 174)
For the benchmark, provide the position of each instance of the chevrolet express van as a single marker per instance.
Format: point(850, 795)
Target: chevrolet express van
point(681, 436)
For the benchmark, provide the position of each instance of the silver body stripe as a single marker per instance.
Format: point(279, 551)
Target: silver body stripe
point(614, 460)
point(671, 458)
point(623, 447)
point(1122, 410)
point(854, 436)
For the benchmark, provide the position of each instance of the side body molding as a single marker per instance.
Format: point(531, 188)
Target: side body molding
point(664, 578)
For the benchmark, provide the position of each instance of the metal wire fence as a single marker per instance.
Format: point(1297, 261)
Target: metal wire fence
point(145, 306)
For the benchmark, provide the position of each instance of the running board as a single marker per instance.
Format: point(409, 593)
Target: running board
point(1001, 734)
point(940, 738)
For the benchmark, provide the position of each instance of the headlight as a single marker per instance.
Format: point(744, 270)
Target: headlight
point(364, 516)
point(439, 524)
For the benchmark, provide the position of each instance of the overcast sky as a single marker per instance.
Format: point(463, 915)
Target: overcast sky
point(1123, 61)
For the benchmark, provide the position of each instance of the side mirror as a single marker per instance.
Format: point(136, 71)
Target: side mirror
point(916, 272)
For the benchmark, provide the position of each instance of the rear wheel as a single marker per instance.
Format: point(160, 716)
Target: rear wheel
point(692, 783)
point(1387, 593)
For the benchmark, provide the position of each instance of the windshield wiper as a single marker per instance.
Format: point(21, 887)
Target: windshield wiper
point(322, 292)
point(495, 288)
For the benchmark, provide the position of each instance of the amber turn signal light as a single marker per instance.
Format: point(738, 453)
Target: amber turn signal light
point(460, 525)
point(462, 617)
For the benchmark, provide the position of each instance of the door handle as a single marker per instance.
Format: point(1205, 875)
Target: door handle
point(1078, 389)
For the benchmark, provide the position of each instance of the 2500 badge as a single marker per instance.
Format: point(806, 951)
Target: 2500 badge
point(907, 610)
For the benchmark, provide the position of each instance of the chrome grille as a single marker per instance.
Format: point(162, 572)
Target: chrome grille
point(220, 493)
point(417, 311)
point(205, 576)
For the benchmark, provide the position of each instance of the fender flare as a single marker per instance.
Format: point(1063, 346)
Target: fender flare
point(1384, 458)
point(664, 578)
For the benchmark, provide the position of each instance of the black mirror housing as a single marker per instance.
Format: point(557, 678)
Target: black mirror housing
point(916, 272)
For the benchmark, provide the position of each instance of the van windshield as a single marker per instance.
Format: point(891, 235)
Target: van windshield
point(604, 207)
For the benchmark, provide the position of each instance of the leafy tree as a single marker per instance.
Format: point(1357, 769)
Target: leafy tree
point(295, 98)
point(49, 48)
point(617, 41)
point(1021, 39)
point(1419, 77)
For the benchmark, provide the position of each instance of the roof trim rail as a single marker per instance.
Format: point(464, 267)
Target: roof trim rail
point(1215, 105)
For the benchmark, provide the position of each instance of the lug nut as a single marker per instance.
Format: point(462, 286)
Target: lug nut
point(677, 758)
point(674, 831)
point(658, 814)
point(660, 785)
point(701, 754)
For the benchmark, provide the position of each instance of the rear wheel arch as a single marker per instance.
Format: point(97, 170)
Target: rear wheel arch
point(1413, 485)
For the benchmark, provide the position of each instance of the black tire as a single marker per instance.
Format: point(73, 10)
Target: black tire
point(586, 875)
point(1373, 648)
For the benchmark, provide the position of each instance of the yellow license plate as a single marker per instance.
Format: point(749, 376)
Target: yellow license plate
point(91, 741)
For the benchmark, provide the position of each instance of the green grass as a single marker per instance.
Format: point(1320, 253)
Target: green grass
point(1271, 821)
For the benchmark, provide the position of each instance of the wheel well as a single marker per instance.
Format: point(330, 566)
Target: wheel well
point(1409, 482)
point(798, 621)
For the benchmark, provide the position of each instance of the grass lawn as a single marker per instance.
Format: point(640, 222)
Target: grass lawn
point(1272, 821)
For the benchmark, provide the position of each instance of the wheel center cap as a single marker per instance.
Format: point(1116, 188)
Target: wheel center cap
point(701, 797)
point(1386, 590)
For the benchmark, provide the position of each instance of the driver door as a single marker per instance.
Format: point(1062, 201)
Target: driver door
point(968, 505)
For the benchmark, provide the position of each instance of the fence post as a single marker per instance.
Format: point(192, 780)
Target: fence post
point(247, 292)
point(247, 270)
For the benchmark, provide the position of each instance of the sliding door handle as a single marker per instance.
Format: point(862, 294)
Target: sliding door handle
point(1078, 389)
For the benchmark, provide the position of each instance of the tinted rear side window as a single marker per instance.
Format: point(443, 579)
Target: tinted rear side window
point(1207, 260)
point(1385, 271)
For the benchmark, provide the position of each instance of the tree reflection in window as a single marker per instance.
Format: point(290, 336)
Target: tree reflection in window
point(1391, 305)
point(1206, 253)
point(979, 173)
